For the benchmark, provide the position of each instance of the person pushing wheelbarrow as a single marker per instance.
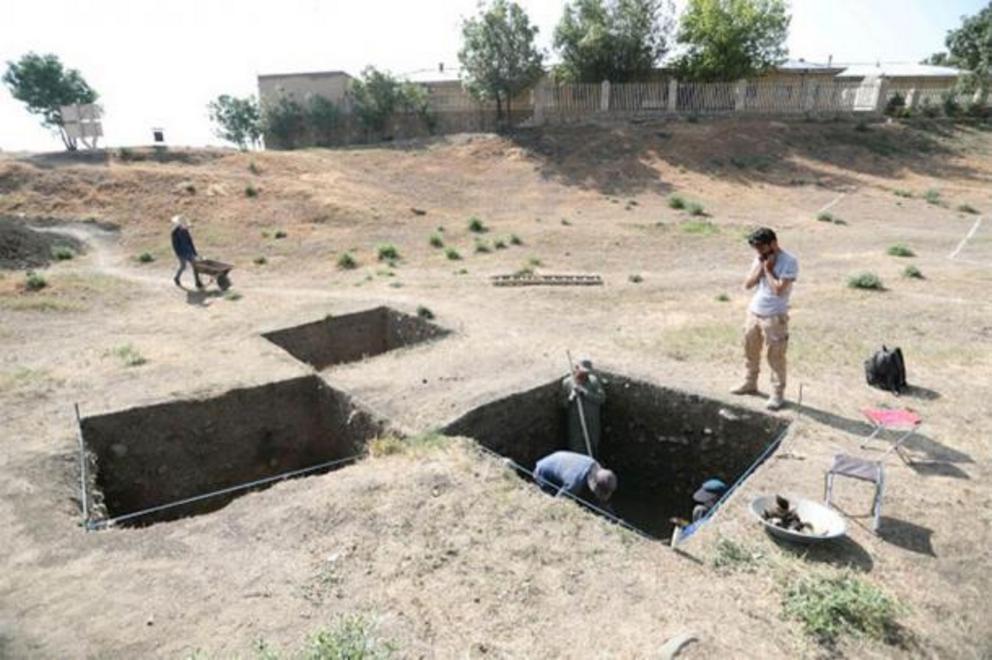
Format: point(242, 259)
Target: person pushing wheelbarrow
point(182, 245)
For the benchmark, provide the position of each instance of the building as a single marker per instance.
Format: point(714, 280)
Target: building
point(332, 85)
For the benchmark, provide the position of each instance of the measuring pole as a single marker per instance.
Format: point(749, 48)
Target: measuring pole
point(578, 401)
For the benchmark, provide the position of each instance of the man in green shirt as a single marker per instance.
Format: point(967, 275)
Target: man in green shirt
point(585, 386)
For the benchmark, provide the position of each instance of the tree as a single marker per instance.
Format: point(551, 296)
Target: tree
point(45, 86)
point(938, 59)
point(238, 120)
point(615, 40)
point(323, 118)
point(732, 39)
point(970, 48)
point(285, 121)
point(375, 97)
point(498, 55)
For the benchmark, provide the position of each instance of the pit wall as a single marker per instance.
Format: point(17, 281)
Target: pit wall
point(351, 337)
point(159, 454)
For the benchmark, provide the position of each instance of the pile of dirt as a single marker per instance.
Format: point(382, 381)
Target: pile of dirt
point(23, 247)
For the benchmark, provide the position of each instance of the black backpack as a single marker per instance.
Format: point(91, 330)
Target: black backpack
point(886, 370)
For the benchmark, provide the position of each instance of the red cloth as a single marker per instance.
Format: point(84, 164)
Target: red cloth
point(890, 418)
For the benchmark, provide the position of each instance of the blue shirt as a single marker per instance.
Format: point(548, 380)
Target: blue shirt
point(564, 470)
point(182, 243)
point(765, 302)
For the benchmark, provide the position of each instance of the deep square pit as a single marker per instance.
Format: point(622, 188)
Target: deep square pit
point(662, 443)
point(149, 456)
point(351, 337)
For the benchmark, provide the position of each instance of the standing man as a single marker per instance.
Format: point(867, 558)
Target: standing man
point(773, 272)
point(182, 245)
point(585, 386)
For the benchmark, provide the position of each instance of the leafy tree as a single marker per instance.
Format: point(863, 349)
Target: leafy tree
point(285, 121)
point(970, 47)
point(238, 120)
point(323, 118)
point(413, 98)
point(615, 40)
point(45, 86)
point(375, 97)
point(498, 54)
point(732, 39)
point(938, 59)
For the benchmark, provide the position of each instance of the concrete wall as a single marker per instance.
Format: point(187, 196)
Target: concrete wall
point(331, 85)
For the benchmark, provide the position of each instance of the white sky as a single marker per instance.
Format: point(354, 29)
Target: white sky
point(158, 63)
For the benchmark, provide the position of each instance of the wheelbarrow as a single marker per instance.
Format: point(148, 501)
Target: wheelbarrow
point(216, 270)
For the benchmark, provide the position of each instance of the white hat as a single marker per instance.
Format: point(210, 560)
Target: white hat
point(585, 364)
point(179, 221)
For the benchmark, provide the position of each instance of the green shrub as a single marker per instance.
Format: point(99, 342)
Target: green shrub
point(425, 313)
point(436, 241)
point(515, 240)
point(565, 222)
point(129, 355)
point(900, 250)
point(387, 252)
point(967, 208)
point(125, 154)
point(723, 298)
point(232, 295)
point(279, 234)
point(635, 278)
point(351, 638)
point(695, 208)
point(146, 257)
point(63, 253)
point(701, 227)
point(825, 217)
point(254, 168)
point(260, 261)
point(731, 556)
point(869, 281)
point(676, 202)
point(452, 254)
point(34, 282)
point(932, 196)
point(903, 193)
point(831, 606)
point(476, 225)
point(482, 246)
point(347, 262)
point(499, 244)
point(912, 272)
point(251, 191)
point(534, 261)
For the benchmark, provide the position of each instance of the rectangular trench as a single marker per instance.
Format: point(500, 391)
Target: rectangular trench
point(662, 443)
point(154, 455)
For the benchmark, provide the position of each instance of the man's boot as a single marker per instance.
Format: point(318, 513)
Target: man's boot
point(775, 401)
point(747, 387)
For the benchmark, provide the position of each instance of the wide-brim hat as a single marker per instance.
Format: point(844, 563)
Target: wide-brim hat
point(711, 491)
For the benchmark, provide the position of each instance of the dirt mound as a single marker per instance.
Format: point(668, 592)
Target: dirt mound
point(23, 247)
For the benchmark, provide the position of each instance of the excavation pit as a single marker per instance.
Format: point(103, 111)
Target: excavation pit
point(351, 337)
point(155, 455)
point(662, 443)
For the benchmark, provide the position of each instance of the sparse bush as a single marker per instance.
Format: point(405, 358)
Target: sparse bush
point(254, 168)
point(351, 638)
point(476, 225)
point(125, 154)
point(701, 227)
point(534, 261)
point(251, 191)
point(280, 234)
point(436, 241)
point(260, 261)
point(903, 193)
point(861, 127)
point(515, 240)
point(63, 253)
point(499, 244)
point(146, 257)
point(900, 250)
point(387, 252)
point(566, 222)
point(695, 208)
point(452, 254)
point(895, 105)
point(425, 313)
point(676, 202)
point(912, 272)
point(932, 196)
point(731, 556)
point(129, 355)
point(526, 271)
point(232, 295)
point(825, 217)
point(347, 262)
point(967, 208)
point(34, 282)
point(635, 278)
point(395, 285)
point(950, 104)
point(723, 298)
point(869, 281)
point(832, 606)
point(482, 246)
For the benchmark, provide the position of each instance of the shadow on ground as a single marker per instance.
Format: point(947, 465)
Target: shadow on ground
point(907, 535)
point(843, 552)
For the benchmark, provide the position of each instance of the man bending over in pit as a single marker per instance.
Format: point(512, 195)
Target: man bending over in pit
point(576, 474)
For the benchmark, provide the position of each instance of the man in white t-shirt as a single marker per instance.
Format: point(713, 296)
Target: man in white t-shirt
point(773, 272)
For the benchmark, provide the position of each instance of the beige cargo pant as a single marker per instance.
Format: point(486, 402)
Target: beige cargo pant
point(772, 332)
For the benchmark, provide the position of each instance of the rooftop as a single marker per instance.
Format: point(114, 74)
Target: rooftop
point(903, 70)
